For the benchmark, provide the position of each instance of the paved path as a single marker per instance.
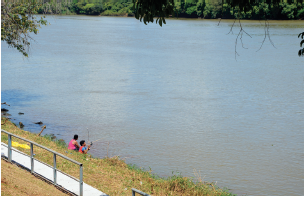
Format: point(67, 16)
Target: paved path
point(46, 171)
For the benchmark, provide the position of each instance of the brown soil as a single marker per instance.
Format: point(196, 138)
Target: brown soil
point(16, 181)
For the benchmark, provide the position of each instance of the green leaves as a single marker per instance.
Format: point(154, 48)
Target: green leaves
point(17, 22)
point(148, 9)
point(301, 51)
point(251, 9)
point(289, 10)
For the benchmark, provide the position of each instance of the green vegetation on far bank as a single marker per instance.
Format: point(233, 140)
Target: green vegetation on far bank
point(112, 175)
point(281, 11)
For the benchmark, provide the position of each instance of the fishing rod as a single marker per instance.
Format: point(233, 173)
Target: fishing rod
point(88, 138)
point(93, 141)
point(88, 134)
point(97, 140)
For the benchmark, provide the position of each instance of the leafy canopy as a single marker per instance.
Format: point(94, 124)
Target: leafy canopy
point(18, 19)
point(17, 22)
point(148, 9)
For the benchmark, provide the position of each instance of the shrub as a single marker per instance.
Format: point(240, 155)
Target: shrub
point(300, 14)
point(226, 12)
point(275, 11)
point(300, 11)
point(200, 8)
point(207, 12)
point(260, 11)
point(109, 13)
point(289, 10)
point(212, 11)
point(191, 11)
point(96, 9)
point(108, 5)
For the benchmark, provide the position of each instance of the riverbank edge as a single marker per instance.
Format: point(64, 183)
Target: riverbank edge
point(112, 175)
point(176, 18)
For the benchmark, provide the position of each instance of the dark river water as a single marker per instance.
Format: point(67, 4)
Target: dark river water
point(173, 98)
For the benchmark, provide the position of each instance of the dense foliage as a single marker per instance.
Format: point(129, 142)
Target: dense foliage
point(232, 9)
point(281, 11)
point(98, 8)
point(17, 22)
point(18, 19)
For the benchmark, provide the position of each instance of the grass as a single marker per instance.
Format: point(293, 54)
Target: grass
point(112, 175)
point(18, 182)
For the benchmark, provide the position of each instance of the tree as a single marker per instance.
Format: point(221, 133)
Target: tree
point(18, 22)
point(148, 9)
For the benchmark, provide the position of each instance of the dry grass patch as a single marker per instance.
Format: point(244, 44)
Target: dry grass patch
point(16, 181)
point(112, 175)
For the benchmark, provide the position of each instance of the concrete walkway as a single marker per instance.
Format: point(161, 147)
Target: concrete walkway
point(47, 172)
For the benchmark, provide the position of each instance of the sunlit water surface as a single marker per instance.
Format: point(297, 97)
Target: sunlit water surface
point(172, 98)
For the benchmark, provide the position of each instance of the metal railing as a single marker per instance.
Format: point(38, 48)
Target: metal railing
point(10, 135)
point(139, 192)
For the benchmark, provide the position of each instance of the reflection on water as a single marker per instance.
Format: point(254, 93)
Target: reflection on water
point(171, 98)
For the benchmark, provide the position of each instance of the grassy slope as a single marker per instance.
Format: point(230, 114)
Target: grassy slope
point(19, 182)
point(112, 175)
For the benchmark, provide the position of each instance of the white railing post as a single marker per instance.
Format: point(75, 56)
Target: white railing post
point(32, 158)
point(10, 135)
point(9, 154)
point(134, 191)
point(81, 180)
point(54, 169)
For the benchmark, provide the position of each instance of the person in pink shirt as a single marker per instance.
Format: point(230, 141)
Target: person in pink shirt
point(73, 145)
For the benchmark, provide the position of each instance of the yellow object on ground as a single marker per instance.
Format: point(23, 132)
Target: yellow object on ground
point(16, 144)
point(24, 146)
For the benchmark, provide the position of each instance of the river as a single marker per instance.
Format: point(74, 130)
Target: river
point(175, 99)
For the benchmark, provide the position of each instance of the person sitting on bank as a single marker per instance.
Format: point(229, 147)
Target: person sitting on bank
point(73, 145)
point(83, 149)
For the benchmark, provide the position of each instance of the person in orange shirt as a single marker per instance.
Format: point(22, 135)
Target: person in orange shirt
point(83, 149)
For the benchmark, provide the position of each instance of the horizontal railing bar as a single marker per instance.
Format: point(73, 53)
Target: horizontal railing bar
point(34, 143)
point(57, 170)
point(43, 163)
point(14, 149)
point(65, 190)
point(41, 177)
point(140, 192)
